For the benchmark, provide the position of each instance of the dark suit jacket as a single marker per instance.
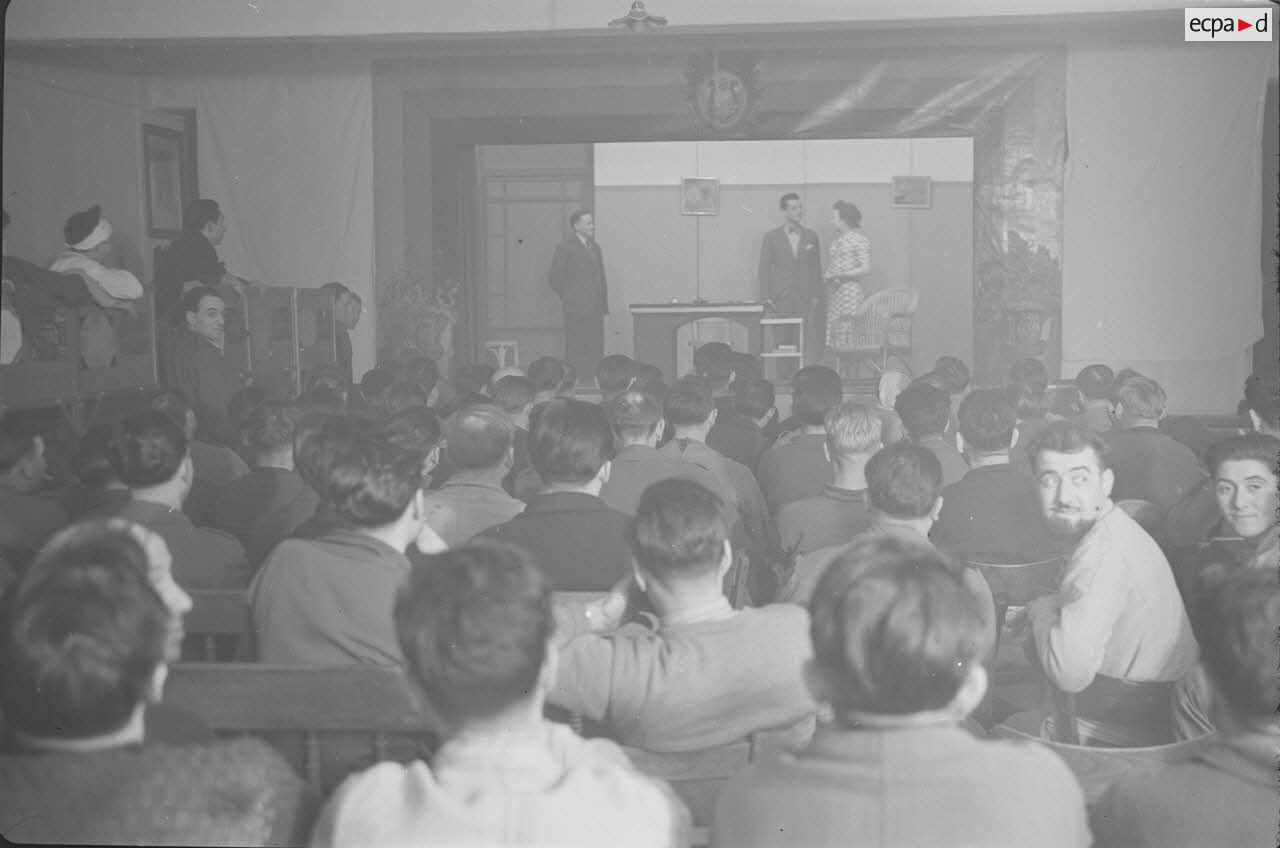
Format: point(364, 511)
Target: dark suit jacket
point(792, 281)
point(577, 275)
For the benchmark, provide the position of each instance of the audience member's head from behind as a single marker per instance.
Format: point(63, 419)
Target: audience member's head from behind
point(1262, 398)
point(755, 399)
point(376, 487)
point(924, 410)
point(416, 431)
point(150, 455)
point(374, 385)
point(174, 403)
point(570, 445)
point(816, 389)
point(952, 374)
point(243, 402)
point(717, 362)
point(22, 461)
point(986, 422)
point(854, 433)
point(680, 544)
point(91, 461)
point(1074, 477)
point(422, 371)
point(1140, 402)
point(203, 312)
point(1094, 383)
point(614, 374)
point(1243, 469)
point(478, 440)
point(689, 407)
point(84, 644)
point(546, 373)
point(514, 395)
point(635, 417)
point(896, 633)
point(475, 625)
point(268, 432)
point(319, 440)
point(401, 396)
point(904, 485)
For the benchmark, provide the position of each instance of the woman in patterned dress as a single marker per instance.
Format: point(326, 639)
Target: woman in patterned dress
point(848, 263)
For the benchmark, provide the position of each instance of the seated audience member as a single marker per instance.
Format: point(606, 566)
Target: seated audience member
point(613, 376)
point(424, 372)
point(925, 412)
point(401, 396)
point(198, 365)
point(796, 466)
point(254, 508)
point(739, 432)
point(324, 378)
point(374, 385)
point(324, 601)
point(244, 402)
point(718, 366)
point(103, 492)
point(469, 384)
point(215, 465)
point(1196, 517)
point(546, 373)
point(1094, 385)
point(573, 535)
point(991, 514)
point(645, 376)
point(1149, 465)
point(318, 442)
point(478, 443)
point(347, 306)
point(85, 641)
point(1225, 794)
point(704, 355)
point(88, 249)
point(840, 512)
point(1115, 635)
point(898, 647)
point(703, 674)
point(1026, 389)
point(26, 518)
point(150, 455)
point(637, 423)
point(514, 395)
point(476, 628)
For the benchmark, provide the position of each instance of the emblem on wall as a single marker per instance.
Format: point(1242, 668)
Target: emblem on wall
point(723, 92)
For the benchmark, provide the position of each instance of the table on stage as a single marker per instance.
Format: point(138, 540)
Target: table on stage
point(655, 325)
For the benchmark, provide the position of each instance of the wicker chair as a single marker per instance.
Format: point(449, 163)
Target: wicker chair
point(878, 330)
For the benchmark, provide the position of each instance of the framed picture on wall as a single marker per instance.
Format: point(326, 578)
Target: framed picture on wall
point(166, 193)
point(699, 196)
point(912, 192)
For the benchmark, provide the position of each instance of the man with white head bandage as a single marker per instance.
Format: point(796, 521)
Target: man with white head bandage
point(88, 241)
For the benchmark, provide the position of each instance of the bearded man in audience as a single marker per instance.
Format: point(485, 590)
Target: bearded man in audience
point(702, 674)
point(199, 366)
point(1115, 635)
point(898, 645)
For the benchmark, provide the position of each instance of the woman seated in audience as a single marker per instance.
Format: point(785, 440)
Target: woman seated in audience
point(85, 642)
point(898, 643)
point(476, 627)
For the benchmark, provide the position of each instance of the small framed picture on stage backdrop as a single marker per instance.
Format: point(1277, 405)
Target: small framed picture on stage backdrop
point(912, 192)
point(162, 159)
point(699, 196)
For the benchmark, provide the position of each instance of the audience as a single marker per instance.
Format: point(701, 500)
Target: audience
point(547, 374)
point(613, 376)
point(198, 365)
point(926, 412)
point(840, 511)
point(324, 600)
point(569, 531)
point(476, 628)
point(85, 642)
point(102, 491)
point(1026, 389)
point(702, 674)
point(1225, 794)
point(739, 430)
point(214, 465)
point(1149, 465)
point(514, 395)
point(796, 466)
point(991, 514)
point(26, 518)
point(717, 363)
point(150, 455)
point(1115, 635)
point(1093, 384)
point(898, 646)
point(478, 442)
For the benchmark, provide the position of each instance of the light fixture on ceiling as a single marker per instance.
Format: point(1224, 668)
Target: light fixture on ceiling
point(638, 19)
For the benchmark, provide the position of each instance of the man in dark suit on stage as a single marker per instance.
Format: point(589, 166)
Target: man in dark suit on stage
point(577, 275)
point(791, 274)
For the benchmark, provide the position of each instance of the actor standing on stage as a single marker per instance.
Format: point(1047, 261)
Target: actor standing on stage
point(577, 275)
point(849, 262)
point(791, 273)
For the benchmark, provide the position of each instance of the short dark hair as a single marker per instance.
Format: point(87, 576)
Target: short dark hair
point(577, 215)
point(1068, 437)
point(953, 374)
point(848, 213)
point(546, 373)
point(374, 384)
point(569, 440)
point(816, 389)
point(1262, 395)
point(688, 402)
point(474, 624)
point(1236, 624)
point(416, 430)
point(83, 633)
point(678, 531)
point(242, 404)
point(513, 393)
point(317, 441)
point(705, 356)
point(613, 374)
point(371, 482)
point(753, 397)
point(200, 212)
point(81, 224)
point(1257, 446)
point(91, 461)
point(271, 425)
point(1094, 381)
point(645, 372)
point(787, 198)
point(401, 396)
point(746, 366)
point(1030, 371)
point(924, 409)
point(191, 300)
point(1027, 400)
point(148, 448)
point(895, 630)
point(633, 414)
point(174, 403)
point(987, 421)
point(903, 480)
point(478, 436)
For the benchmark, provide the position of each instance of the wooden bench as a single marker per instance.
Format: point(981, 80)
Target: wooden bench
point(327, 722)
point(218, 626)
